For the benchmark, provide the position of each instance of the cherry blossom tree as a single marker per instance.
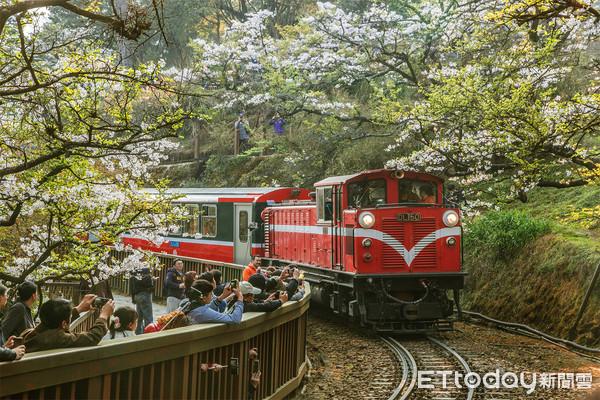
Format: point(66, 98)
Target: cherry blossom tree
point(78, 134)
point(494, 93)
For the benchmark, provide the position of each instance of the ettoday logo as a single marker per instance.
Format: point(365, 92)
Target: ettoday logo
point(507, 380)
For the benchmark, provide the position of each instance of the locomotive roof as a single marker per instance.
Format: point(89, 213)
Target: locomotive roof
point(234, 194)
point(334, 180)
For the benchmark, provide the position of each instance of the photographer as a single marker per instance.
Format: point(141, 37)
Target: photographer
point(204, 305)
point(242, 128)
point(56, 315)
point(142, 287)
point(248, 291)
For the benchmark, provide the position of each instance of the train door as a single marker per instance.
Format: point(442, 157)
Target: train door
point(337, 245)
point(242, 235)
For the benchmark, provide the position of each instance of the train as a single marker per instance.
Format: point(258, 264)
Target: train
point(382, 247)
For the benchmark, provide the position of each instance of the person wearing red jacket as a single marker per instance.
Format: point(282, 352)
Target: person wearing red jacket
point(252, 268)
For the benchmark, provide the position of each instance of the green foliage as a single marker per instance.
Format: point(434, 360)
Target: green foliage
point(503, 234)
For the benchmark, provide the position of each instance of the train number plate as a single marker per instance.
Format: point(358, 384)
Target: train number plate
point(408, 217)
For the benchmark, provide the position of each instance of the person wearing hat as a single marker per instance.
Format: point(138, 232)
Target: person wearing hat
point(142, 287)
point(242, 128)
point(248, 291)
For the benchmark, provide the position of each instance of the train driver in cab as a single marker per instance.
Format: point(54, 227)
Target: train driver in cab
point(428, 194)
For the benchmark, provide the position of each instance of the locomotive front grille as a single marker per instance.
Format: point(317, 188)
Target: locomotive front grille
point(428, 255)
point(393, 229)
point(403, 232)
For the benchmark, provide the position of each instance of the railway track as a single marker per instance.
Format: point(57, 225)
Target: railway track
point(436, 362)
point(356, 364)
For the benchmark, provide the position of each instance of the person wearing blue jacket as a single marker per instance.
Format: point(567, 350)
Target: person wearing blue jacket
point(174, 285)
point(205, 306)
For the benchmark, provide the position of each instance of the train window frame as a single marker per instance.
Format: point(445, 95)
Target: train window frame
point(191, 222)
point(363, 187)
point(322, 210)
point(177, 223)
point(338, 203)
point(416, 196)
point(244, 226)
point(206, 218)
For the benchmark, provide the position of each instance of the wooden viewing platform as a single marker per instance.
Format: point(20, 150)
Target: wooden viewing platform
point(166, 365)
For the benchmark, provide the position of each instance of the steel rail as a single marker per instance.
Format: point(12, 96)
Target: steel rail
point(526, 328)
point(460, 360)
point(406, 358)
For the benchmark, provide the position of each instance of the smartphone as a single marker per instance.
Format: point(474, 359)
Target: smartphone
point(234, 366)
point(18, 341)
point(256, 366)
point(233, 284)
point(99, 302)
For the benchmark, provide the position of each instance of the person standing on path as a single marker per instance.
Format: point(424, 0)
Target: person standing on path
point(242, 128)
point(142, 286)
point(277, 123)
point(18, 318)
point(175, 286)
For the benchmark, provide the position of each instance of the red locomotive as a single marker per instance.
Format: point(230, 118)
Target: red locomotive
point(379, 246)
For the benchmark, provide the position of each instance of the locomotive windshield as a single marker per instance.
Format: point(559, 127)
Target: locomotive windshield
point(417, 191)
point(367, 193)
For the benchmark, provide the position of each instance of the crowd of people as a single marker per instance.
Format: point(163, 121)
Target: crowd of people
point(191, 299)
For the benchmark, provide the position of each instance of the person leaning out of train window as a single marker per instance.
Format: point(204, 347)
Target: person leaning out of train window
point(248, 291)
point(253, 267)
point(53, 331)
point(204, 305)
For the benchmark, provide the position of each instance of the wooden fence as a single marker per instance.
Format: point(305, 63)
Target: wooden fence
point(166, 365)
point(228, 271)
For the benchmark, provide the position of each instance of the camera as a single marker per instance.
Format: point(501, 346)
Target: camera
point(99, 302)
point(18, 341)
point(255, 365)
point(234, 366)
point(233, 284)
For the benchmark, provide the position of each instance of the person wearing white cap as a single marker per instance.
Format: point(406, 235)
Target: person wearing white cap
point(248, 291)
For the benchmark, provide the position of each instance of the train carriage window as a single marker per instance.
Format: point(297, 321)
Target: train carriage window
point(174, 228)
point(367, 193)
point(189, 226)
point(243, 218)
point(324, 204)
point(209, 220)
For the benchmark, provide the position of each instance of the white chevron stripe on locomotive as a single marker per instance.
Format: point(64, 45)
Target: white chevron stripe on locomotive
point(408, 255)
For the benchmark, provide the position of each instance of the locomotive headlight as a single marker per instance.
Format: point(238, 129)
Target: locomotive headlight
point(367, 242)
point(366, 220)
point(450, 218)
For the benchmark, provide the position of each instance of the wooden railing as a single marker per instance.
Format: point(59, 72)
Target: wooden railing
point(85, 321)
point(166, 365)
point(228, 271)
